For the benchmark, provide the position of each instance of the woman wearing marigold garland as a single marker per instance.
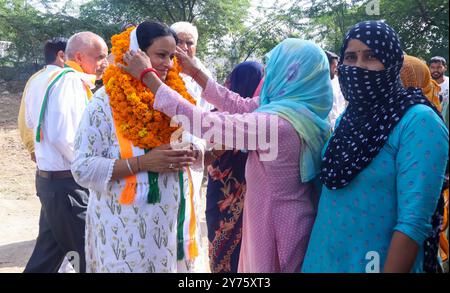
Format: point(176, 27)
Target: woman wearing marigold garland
point(141, 215)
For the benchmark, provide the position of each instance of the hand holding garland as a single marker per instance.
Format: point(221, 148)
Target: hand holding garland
point(140, 66)
point(190, 68)
point(138, 62)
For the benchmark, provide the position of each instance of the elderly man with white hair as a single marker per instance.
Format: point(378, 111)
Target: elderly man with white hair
point(187, 40)
point(54, 111)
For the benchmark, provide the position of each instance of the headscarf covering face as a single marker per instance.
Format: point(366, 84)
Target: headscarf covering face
point(245, 77)
point(377, 102)
point(415, 73)
point(297, 88)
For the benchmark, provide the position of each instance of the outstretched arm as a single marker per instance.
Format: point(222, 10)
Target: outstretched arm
point(252, 131)
point(228, 101)
point(221, 97)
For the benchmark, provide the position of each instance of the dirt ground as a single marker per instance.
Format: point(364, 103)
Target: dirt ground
point(19, 206)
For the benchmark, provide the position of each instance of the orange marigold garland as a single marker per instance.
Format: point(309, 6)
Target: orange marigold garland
point(132, 102)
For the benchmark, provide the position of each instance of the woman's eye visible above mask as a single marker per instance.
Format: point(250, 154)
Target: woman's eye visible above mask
point(171, 56)
point(371, 56)
point(350, 57)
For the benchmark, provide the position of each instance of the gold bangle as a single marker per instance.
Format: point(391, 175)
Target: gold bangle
point(129, 167)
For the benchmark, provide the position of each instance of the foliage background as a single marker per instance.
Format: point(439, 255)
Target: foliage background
point(230, 30)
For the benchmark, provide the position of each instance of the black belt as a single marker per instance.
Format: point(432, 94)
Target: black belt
point(54, 174)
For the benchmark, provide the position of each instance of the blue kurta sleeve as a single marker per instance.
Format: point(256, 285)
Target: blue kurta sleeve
point(420, 164)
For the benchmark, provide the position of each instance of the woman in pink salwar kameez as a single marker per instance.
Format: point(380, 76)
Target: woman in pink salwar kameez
point(284, 130)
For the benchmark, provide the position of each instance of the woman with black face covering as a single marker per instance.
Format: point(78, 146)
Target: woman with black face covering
point(383, 167)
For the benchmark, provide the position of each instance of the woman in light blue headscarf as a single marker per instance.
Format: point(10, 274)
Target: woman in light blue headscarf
point(294, 90)
point(291, 114)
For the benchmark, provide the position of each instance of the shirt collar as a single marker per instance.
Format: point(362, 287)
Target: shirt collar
point(74, 65)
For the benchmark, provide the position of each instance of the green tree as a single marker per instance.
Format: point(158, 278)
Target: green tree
point(422, 25)
point(261, 34)
point(28, 29)
point(225, 26)
point(330, 20)
point(214, 19)
point(22, 25)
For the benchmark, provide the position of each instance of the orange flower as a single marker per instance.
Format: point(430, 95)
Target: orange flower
point(132, 102)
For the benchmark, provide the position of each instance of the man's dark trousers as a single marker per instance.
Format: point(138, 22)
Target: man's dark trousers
point(61, 224)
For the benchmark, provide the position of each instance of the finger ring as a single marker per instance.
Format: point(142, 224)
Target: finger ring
point(171, 166)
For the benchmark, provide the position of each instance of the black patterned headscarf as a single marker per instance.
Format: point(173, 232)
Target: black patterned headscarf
point(377, 102)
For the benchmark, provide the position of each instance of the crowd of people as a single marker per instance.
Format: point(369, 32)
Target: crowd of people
point(315, 162)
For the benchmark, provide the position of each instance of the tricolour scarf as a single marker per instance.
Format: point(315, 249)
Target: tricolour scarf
point(70, 66)
point(187, 245)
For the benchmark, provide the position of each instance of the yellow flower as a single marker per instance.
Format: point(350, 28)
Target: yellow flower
point(124, 127)
point(142, 132)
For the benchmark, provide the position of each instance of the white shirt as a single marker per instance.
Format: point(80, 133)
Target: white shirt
point(444, 89)
point(194, 89)
point(339, 103)
point(65, 105)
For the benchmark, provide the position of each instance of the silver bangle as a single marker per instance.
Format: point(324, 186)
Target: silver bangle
point(129, 167)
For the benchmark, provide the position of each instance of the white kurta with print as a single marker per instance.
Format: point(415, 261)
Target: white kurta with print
point(140, 237)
